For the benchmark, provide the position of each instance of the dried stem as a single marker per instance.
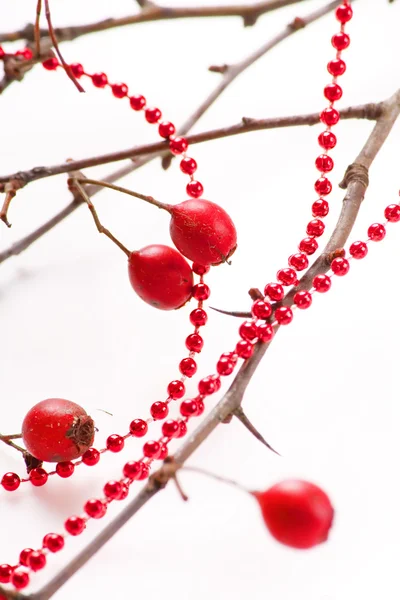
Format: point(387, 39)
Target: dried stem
point(219, 478)
point(123, 190)
point(37, 27)
point(7, 439)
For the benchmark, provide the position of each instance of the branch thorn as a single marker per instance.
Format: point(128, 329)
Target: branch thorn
point(239, 414)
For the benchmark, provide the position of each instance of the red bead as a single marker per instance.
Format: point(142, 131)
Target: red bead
point(178, 145)
point(91, 457)
point(274, 291)
point(163, 452)
point(392, 213)
point(166, 129)
point(323, 186)
point(261, 309)
point(302, 299)
point(38, 477)
point(115, 443)
point(26, 53)
point(112, 489)
point(358, 250)
point(20, 579)
point(152, 449)
point(188, 408)
point(194, 189)
point(200, 408)
point(152, 115)
point(94, 508)
point(176, 389)
point(188, 165)
point(322, 283)
point(244, 349)
point(298, 261)
point(54, 542)
point(284, 315)
point(170, 428)
point(183, 429)
point(231, 356)
point(133, 469)
point(376, 232)
point(194, 342)
point(37, 560)
point(330, 116)
point(138, 428)
point(124, 492)
point(287, 276)
point(248, 331)
point(77, 70)
point(327, 139)
point(336, 67)
point(5, 573)
point(315, 227)
point(344, 12)
point(99, 80)
point(333, 92)
point(120, 90)
point(208, 385)
point(159, 410)
point(225, 366)
point(200, 269)
point(65, 469)
point(198, 317)
point(23, 557)
point(341, 41)
point(75, 525)
point(324, 163)
point(201, 291)
point(51, 64)
point(265, 332)
point(2, 53)
point(320, 208)
point(145, 472)
point(309, 245)
point(137, 102)
point(11, 482)
point(188, 367)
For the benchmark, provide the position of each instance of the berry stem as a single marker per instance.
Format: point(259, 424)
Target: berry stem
point(123, 190)
point(75, 183)
point(7, 439)
point(219, 478)
point(37, 27)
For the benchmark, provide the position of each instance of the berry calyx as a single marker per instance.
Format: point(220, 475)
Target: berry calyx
point(57, 430)
point(161, 276)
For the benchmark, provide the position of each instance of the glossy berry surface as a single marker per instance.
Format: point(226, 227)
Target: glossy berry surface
point(178, 145)
point(323, 186)
point(297, 513)
point(5, 573)
point(133, 469)
point(298, 261)
point(333, 92)
point(261, 309)
point(202, 231)
point(57, 430)
point(315, 227)
point(161, 276)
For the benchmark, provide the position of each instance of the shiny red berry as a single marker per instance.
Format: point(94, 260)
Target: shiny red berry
point(330, 116)
point(344, 13)
point(298, 261)
point(320, 208)
point(152, 115)
point(340, 41)
point(188, 367)
point(57, 430)
point(161, 276)
point(376, 232)
point(297, 513)
point(336, 67)
point(302, 299)
point(65, 469)
point(152, 449)
point(166, 129)
point(138, 428)
point(308, 245)
point(284, 315)
point(392, 213)
point(37, 560)
point(38, 477)
point(315, 227)
point(248, 331)
point(324, 163)
point(137, 102)
point(94, 508)
point(274, 291)
point(261, 309)
point(194, 342)
point(54, 542)
point(91, 457)
point(51, 64)
point(99, 80)
point(176, 389)
point(188, 165)
point(159, 410)
point(327, 140)
point(323, 186)
point(75, 525)
point(119, 90)
point(11, 482)
point(358, 250)
point(322, 283)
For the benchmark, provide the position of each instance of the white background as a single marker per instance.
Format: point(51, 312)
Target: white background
point(326, 395)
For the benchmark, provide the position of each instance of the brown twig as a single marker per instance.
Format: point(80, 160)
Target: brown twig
point(10, 190)
point(123, 190)
point(36, 35)
point(7, 439)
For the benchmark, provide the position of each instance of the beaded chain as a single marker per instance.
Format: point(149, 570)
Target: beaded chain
point(258, 329)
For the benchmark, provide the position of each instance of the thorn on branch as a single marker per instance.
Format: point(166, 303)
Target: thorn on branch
point(250, 19)
point(239, 414)
point(10, 190)
point(255, 294)
point(355, 172)
point(233, 313)
point(218, 68)
point(338, 253)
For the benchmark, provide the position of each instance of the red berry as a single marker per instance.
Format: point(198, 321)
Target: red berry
point(323, 186)
point(38, 477)
point(324, 163)
point(159, 410)
point(178, 145)
point(11, 482)
point(336, 67)
point(330, 116)
point(188, 408)
point(20, 579)
point(248, 331)
point(327, 139)
point(152, 115)
point(274, 291)
point(208, 385)
point(202, 231)
point(75, 525)
point(53, 542)
point(176, 389)
point(37, 560)
point(198, 317)
point(166, 129)
point(138, 428)
point(320, 208)
point(194, 342)
point(91, 457)
point(344, 13)
point(99, 80)
point(315, 227)
point(284, 315)
point(376, 232)
point(137, 102)
point(298, 261)
point(261, 309)
point(225, 366)
point(309, 245)
point(188, 367)
point(112, 489)
point(297, 513)
point(115, 443)
point(133, 469)
point(302, 299)
point(5, 573)
point(244, 349)
point(201, 291)
point(340, 41)
point(57, 430)
point(194, 189)
point(120, 90)
point(77, 70)
point(265, 332)
point(51, 64)
point(287, 276)
point(322, 283)
point(340, 266)
point(94, 508)
point(23, 557)
point(333, 92)
point(358, 250)
point(65, 469)
point(171, 428)
point(152, 449)
point(392, 213)
point(161, 276)
point(188, 165)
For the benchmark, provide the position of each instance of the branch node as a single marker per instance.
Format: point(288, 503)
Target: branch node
point(355, 172)
point(297, 23)
point(338, 253)
point(218, 69)
point(255, 294)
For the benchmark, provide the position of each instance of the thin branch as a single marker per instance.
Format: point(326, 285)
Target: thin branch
point(7, 439)
point(123, 190)
point(152, 12)
point(36, 31)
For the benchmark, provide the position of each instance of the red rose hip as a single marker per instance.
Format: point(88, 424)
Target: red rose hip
point(57, 430)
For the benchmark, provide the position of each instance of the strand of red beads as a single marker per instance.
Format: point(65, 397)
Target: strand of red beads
point(251, 332)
